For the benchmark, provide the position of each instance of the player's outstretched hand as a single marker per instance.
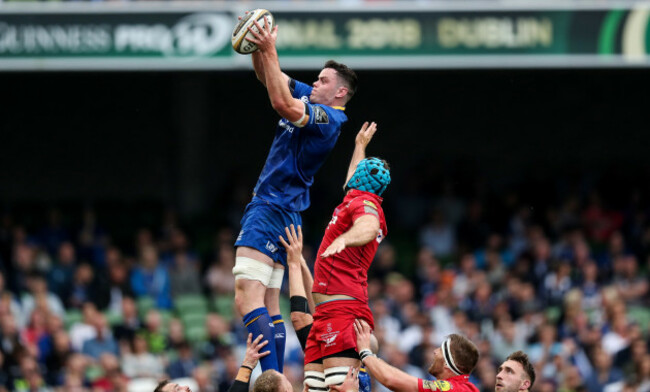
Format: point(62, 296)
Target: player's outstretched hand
point(265, 36)
point(351, 382)
point(293, 245)
point(337, 246)
point(362, 329)
point(365, 134)
point(253, 353)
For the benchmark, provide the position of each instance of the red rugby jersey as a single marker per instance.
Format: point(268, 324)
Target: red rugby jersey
point(455, 384)
point(347, 272)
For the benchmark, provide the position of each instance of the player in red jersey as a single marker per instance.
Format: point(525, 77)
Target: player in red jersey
point(452, 363)
point(341, 271)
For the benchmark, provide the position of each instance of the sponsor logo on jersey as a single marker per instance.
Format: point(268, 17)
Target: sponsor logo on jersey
point(380, 236)
point(304, 99)
point(370, 204)
point(285, 124)
point(270, 247)
point(320, 116)
point(438, 385)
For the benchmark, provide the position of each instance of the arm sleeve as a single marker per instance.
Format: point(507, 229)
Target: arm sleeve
point(239, 386)
point(299, 89)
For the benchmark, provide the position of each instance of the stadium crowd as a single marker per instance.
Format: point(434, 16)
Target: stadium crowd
point(570, 288)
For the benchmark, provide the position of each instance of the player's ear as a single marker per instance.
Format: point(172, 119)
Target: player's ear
point(341, 92)
point(525, 385)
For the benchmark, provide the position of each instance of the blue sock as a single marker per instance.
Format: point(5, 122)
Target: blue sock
point(258, 322)
point(364, 380)
point(280, 339)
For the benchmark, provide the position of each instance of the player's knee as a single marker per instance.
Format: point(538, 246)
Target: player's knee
point(315, 381)
point(336, 375)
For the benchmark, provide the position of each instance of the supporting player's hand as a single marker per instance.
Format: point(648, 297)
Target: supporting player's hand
point(265, 36)
point(293, 245)
point(337, 246)
point(253, 353)
point(365, 134)
point(351, 382)
point(363, 331)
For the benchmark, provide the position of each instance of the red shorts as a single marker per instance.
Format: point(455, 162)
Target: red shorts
point(333, 331)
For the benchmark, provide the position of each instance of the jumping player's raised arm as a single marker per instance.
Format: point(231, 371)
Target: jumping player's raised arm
point(360, 143)
point(274, 79)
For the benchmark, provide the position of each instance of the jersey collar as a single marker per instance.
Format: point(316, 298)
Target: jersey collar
point(339, 107)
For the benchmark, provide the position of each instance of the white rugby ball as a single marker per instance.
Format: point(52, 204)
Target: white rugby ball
point(240, 33)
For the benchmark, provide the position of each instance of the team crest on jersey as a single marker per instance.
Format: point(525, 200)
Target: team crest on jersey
point(304, 99)
point(320, 116)
point(438, 385)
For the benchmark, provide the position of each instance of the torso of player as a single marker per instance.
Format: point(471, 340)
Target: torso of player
point(297, 153)
point(456, 384)
point(346, 273)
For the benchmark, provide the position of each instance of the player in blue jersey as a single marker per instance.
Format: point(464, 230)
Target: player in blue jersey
point(311, 122)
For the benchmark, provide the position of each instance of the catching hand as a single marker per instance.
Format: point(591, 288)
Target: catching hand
point(365, 134)
point(294, 244)
point(351, 382)
point(362, 329)
point(253, 353)
point(265, 36)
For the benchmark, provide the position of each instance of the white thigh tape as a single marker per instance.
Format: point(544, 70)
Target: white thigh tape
point(251, 269)
point(276, 278)
point(315, 381)
point(336, 375)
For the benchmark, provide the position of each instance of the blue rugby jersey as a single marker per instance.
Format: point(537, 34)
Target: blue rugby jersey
point(297, 153)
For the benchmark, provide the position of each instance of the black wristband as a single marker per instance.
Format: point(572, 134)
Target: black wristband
point(247, 367)
point(299, 304)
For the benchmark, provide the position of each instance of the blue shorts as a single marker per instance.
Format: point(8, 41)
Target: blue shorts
point(261, 225)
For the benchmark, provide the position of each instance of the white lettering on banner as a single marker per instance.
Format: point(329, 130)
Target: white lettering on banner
point(32, 39)
point(193, 35)
point(384, 33)
point(301, 34)
point(492, 33)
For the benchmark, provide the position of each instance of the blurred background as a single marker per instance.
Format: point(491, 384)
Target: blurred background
point(132, 137)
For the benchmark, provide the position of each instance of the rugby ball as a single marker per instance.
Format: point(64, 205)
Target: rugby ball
point(240, 33)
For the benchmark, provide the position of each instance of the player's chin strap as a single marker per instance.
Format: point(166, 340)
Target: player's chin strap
point(449, 359)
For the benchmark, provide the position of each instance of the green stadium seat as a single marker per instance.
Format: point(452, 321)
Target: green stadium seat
point(195, 334)
point(193, 319)
point(144, 305)
point(640, 315)
point(113, 318)
point(190, 303)
point(224, 305)
point(72, 316)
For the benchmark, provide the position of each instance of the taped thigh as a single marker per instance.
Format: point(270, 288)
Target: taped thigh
point(276, 278)
point(336, 375)
point(251, 269)
point(315, 381)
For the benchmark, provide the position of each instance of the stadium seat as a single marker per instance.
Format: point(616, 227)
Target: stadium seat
point(195, 334)
point(113, 318)
point(192, 319)
point(190, 303)
point(72, 316)
point(224, 306)
point(640, 315)
point(145, 304)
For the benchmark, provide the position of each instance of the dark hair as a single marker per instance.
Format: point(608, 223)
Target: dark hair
point(268, 381)
point(522, 358)
point(464, 352)
point(348, 75)
point(161, 385)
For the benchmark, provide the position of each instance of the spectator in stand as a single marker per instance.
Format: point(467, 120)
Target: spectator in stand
point(57, 357)
point(83, 330)
point(604, 373)
point(219, 339)
point(184, 275)
point(184, 365)
point(151, 279)
point(38, 292)
point(219, 277)
point(92, 240)
point(119, 285)
point(632, 285)
point(112, 378)
point(140, 362)
point(88, 287)
point(103, 341)
point(62, 273)
point(130, 324)
point(439, 236)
